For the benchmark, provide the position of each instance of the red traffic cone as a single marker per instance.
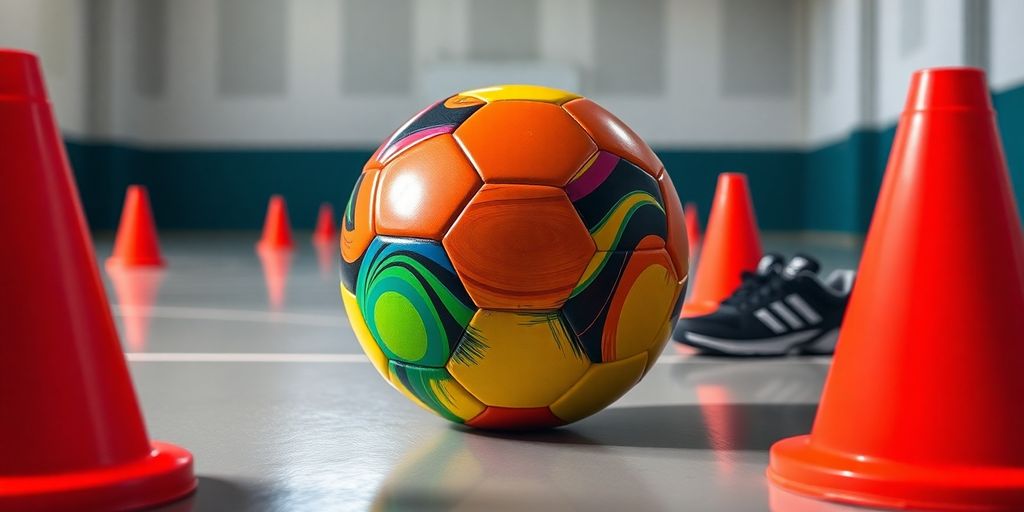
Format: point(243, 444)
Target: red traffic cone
point(326, 230)
point(731, 245)
point(136, 244)
point(277, 231)
point(72, 431)
point(692, 227)
point(922, 405)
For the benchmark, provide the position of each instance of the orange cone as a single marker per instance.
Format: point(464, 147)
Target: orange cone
point(922, 406)
point(277, 230)
point(326, 230)
point(136, 244)
point(692, 227)
point(731, 245)
point(72, 433)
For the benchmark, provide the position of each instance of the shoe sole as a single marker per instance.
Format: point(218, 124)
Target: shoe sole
point(813, 342)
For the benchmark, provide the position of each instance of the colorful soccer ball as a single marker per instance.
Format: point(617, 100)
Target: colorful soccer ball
point(513, 257)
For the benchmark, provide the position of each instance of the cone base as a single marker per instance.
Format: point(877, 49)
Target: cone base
point(163, 476)
point(692, 309)
point(799, 466)
point(115, 262)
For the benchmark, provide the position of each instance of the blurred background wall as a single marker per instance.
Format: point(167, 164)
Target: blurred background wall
point(216, 104)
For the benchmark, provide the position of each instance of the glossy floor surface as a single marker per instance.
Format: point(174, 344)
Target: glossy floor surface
point(251, 365)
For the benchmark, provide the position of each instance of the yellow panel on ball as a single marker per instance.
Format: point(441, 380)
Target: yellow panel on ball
point(603, 384)
point(363, 336)
point(513, 359)
point(521, 92)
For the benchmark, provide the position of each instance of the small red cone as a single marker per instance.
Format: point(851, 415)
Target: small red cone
point(326, 230)
point(72, 433)
point(731, 245)
point(136, 244)
point(692, 227)
point(277, 230)
point(922, 406)
point(136, 290)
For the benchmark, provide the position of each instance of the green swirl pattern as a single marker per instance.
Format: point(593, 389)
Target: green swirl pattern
point(413, 302)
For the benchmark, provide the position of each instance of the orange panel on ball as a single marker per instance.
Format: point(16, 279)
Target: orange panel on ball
point(357, 223)
point(612, 135)
point(519, 247)
point(677, 243)
point(525, 142)
point(424, 188)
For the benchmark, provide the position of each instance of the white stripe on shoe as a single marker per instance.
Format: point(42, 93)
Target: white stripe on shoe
point(803, 308)
point(770, 321)
point(787, 315)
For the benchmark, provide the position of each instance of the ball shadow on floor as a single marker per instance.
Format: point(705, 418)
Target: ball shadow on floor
point(718, 426)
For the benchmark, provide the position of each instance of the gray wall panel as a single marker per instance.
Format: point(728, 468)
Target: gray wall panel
point(762, 61)
point(629, 47)
point(253, 48)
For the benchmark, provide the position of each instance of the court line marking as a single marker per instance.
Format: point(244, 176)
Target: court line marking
point(233, 315)
point(269, 357)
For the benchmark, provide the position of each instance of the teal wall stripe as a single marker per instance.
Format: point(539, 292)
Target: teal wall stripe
point(831, 188)
point(774, 178)
point(1010, 115)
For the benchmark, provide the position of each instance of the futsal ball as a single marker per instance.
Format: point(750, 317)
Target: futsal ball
point(513, 257)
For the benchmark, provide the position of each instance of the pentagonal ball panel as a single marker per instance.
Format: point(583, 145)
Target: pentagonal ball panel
point(509, 359)
point(525, 142)
point(624, 304)
point(677, 243)
point(440, 118)
point(422, 190)
point(413, 303)
point(611, 134)
point(435, 389)
point(519, 247)
point(620, 204)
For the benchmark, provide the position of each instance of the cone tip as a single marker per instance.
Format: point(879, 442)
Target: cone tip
point(948, 88)
point(20, 78)
point(732, 177)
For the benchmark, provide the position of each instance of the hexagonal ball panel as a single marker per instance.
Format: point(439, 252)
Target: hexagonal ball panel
point(611, 134)
point(424, 188)
point(510, 359)
point(414, 305)
point(525, 142)
point(519, 247)
point(620, 204)
point(624, 303)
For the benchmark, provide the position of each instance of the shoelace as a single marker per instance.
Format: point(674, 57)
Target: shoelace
point(750, 282)
point(767, 289)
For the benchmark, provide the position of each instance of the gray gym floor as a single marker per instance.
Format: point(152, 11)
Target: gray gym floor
point(282, 411)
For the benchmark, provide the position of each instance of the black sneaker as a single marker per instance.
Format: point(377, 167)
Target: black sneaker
point(774, 311)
